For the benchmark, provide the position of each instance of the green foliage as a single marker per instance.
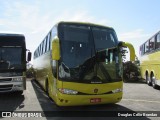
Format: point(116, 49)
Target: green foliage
point(131, 71)
point(30, 72)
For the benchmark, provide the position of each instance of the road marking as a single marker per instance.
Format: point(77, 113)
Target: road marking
point(142, 100)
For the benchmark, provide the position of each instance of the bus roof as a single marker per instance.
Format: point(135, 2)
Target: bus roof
point(150, 37)
point(12, 40)
point(11, 35)
point(84, 23)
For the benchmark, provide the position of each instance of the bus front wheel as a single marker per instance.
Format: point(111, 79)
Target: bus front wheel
point(19, 92)
point(148, 80)
point(154, 85)
point(47, 88)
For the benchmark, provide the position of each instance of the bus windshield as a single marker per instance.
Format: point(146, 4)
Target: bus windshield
point(10, 58)
point(88, 54)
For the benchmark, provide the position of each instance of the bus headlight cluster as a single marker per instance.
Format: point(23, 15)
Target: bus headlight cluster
point(68, 91)
point(18, 79)
point(117, 90)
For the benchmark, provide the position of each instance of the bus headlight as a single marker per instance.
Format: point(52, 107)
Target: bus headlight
point(117, 90)
point(68, 91)
point(18, 79)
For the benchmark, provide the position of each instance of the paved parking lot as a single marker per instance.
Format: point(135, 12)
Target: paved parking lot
point(137, 97)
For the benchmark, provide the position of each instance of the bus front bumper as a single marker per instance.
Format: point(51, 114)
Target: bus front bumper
point(75, 100)
point(12, 86)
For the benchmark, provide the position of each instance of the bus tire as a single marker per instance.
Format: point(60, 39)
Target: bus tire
point(154, 85)
point(47, 88)
point(148, 80)
point(19, 92)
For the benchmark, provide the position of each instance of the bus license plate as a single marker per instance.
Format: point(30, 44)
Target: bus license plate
point(95, 100)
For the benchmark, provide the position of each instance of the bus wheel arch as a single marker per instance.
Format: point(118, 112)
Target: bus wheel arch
point(47, 86)
point(148, 81)
point(19, 92)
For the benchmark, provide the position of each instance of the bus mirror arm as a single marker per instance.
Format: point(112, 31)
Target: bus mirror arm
point(131, 49)
point(29, 56)
point(55, 49)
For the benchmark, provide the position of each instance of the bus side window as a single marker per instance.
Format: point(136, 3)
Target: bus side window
point(152, 44)
point(146, 47)
point(41, 48)
point(140, 50)
point(48, 42)
point(44, 46)
point(158, 41)
point(38, 51)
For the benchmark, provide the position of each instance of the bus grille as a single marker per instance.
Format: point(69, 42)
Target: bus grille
point(5, 87)
point(6, 80)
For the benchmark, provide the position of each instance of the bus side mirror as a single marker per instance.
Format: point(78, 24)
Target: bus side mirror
point(29, 56)
point(55, 49)
point(131, 49)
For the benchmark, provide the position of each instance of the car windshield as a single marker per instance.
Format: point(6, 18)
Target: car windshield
point(88, 54)
point(10, 58)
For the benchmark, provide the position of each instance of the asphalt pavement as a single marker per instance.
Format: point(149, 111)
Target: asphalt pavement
point(138, 98)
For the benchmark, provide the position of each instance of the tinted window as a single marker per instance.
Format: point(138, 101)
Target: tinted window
point(44, 46)
point(104, 38)
point(41, 47)
point(76, 45)
point(48, 42)
point(88, 54)
point(146, 47)
point(10, 58)
point(77, 34)
point(141, 50)
point(158, 41)
point(152, 44)
point(38, 51)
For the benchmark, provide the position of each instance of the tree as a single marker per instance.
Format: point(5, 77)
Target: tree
point(137, 62)
point(30, 72)
point(130, 71)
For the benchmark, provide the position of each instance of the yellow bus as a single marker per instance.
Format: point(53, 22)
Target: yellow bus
point(150, 60)
point(13, 62)
point(80, 64)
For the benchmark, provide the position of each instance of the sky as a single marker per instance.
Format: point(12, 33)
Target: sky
point(134, 21)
